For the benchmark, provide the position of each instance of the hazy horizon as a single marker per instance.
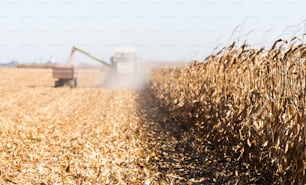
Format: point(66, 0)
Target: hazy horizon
point(158, 30)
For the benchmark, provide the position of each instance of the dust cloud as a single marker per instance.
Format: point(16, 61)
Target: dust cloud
point(113, 80)
point(110, 78)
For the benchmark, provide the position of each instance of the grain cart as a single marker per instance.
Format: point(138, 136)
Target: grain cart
point(67, 75)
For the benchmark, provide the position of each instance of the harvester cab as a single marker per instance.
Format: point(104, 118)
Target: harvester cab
point(125, 61)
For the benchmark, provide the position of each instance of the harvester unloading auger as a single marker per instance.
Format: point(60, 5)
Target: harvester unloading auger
point(123, 61)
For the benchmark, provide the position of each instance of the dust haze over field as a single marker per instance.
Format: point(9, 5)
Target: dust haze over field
point(113, 80)
point(109, 78)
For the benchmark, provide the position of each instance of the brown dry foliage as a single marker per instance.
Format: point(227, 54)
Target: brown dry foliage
point(237, 117)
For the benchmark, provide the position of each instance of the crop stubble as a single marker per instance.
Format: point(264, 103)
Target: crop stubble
point(66, 136)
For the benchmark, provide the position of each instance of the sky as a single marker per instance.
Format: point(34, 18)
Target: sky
point(159, 30)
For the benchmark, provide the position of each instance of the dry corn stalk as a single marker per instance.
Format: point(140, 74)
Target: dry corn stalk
point(241, 112)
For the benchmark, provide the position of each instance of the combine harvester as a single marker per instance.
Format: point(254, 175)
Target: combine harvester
point(124, 61)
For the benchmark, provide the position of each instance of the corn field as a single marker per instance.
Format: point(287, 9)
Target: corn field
point(237, 117)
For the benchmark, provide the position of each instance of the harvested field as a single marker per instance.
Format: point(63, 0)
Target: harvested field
point(67, 136)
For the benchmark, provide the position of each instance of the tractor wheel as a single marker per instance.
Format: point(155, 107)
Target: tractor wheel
point(73, 83)
point(58, 83)
point(76, 82)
